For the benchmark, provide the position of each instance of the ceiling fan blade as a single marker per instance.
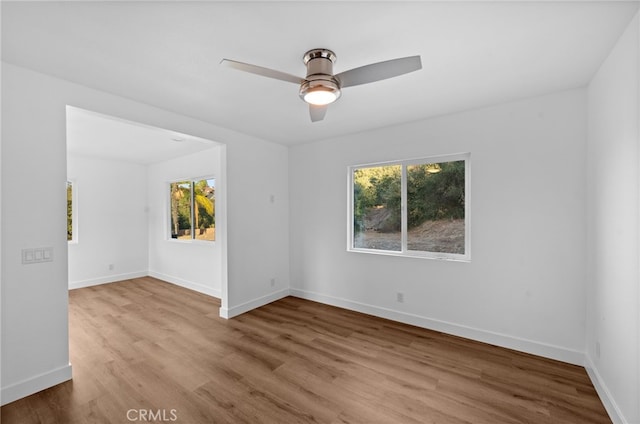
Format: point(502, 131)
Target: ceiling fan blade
point(259, 70)
point(379, 71)
point(317, 112)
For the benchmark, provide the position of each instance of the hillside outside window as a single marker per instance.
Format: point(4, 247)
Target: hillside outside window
point(411, 208)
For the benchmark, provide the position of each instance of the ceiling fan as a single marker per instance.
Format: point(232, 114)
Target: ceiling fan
point(321, 87)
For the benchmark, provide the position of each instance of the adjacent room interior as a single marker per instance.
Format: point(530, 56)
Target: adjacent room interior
point(119, 173)
point(235, 254)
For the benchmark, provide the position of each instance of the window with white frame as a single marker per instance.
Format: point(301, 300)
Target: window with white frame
point(193, 209)
point(72, 212)
point(417, 207)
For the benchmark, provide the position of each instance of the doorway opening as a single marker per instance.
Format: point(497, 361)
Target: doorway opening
point(120, 176)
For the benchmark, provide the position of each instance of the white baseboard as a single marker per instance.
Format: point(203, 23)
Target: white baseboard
point(252, 304)
point(128, 276)
point(523, 345)
point(35, 384)
point(186, 284)
point(106, 279)
point(605, 395)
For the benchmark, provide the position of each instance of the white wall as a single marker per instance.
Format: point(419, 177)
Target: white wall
point(193, 264)
point(34, 297)
point(259, 188)
point(613, 310)
point(35, 352)
point(524, 287)
point(111, 199)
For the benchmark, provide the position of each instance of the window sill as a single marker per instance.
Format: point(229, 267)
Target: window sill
point(414, 254)
point(191, 241)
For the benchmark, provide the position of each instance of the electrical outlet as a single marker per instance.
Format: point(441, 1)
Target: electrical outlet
point(400, 297)
point(272, 282)
point(598, 350)
point(111, 267)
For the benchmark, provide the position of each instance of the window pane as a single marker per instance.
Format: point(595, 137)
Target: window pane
point(376, 208)
point(204, 212)
point(181, 210)
point(69, 211)
point(435, 207)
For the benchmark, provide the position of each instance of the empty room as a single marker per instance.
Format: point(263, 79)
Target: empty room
point(320, 212)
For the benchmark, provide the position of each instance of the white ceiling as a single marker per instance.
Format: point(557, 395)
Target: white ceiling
point(167, 54)
point(92, 134)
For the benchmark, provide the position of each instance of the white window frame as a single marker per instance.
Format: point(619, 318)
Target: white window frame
point(405, 252)
point(168, 210)
point(74, 210)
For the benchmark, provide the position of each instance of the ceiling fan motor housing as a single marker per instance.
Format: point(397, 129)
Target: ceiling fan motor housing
point(320, 77)
point(319, 62)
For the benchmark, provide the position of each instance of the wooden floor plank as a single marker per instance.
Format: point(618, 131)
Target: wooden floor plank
point(144, 344)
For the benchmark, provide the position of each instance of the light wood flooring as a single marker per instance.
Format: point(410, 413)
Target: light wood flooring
point(144, 344)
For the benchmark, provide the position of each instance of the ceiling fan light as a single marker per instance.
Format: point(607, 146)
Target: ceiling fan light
point(320, 97)
point(319, 92)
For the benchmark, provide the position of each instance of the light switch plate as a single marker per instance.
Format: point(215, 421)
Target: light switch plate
point(27, 256)
point(37, 255)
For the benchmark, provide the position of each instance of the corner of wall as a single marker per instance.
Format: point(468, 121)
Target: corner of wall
point(253, 304)
point(603, 392)
point(35, 384)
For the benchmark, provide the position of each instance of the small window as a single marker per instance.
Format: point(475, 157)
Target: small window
point(192, 209)
point(411, 208)
point(72, 209)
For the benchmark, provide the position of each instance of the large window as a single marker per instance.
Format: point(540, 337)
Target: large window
point(193, 209)
point(411, 208)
